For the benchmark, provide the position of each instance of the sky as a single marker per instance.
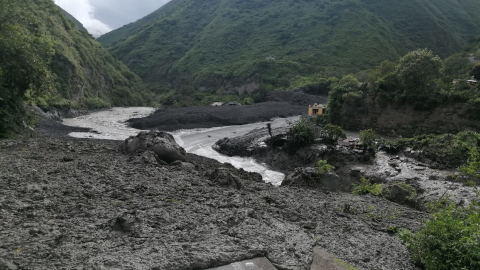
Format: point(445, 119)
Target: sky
point(102, 16)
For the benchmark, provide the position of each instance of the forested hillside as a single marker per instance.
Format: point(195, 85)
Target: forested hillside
point(77, 23)
point(418, 94)
point(236, 46)
point(47, 61)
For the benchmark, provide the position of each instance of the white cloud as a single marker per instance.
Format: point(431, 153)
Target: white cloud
point(84, 11)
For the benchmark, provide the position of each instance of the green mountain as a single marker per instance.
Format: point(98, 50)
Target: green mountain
point(77, 23)
point(46, 60)
point(239, 45)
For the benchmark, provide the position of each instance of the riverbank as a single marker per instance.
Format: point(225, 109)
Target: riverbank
point(431, 180)
point(76, 203)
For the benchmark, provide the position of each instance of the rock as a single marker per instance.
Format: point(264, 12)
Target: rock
point(277, 141)
point(161, 143)
point(123, 223)
point(224, 177)
point(184, 166)
point(148, 157)
point(357, 171)
point(322, 260)
point(68, 159)
point(308, 177)
point(400, 193)
point(253, 264)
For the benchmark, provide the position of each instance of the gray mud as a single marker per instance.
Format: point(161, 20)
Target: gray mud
point(81, 204)
point(426, 177)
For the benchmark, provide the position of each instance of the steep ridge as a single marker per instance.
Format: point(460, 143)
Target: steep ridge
point(77, 23)
point(85, 73)
point(238, 46)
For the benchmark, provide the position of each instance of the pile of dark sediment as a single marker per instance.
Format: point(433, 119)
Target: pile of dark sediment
point(280, 104)
point(82, 204)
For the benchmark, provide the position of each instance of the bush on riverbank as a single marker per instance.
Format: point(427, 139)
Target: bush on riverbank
point(449, 240)
point(366, 187)
point(300, 133)
point(448, 149)
point(323, 167)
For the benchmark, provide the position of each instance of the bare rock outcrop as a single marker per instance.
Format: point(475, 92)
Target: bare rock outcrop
point(161, 143)
point(308, 177)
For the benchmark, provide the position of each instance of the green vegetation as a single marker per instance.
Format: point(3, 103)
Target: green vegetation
point(448, 240)
point(46, 61)
point(419, 79)
point(368, 138)
point(448, 149)
point(323, 167)
point(24, 63)
point(300, 134)
point(332, 133)
point(233, 46)
point(366, 187)
point(77, 23)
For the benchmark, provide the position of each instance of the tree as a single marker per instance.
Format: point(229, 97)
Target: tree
point(368, 138)
point(457, 66)
point(300, 134)
point(448, 240)
point(476, 72)
point(323, 167)
point(332, 133)
point(24, 62)
point(419, 72)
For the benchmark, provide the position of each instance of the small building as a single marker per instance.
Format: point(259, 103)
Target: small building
point(472, 81)
point(317, 109)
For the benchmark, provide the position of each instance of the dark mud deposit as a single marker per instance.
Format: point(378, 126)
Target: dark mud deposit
point(280, 104)
point(81, 204)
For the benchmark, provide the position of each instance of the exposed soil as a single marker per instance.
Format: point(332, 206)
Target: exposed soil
point(81, 204)
point(281, 104)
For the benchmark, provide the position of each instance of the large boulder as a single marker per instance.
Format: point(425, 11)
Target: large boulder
point(161, 143)
point(400, 193)
point(224, 177)
point(309, 177)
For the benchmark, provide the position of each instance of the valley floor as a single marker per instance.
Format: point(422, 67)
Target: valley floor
point(279, 104)
point(81, 204)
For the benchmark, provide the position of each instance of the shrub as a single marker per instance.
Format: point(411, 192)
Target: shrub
point(450, 150)
point(368, 138)
point(365, 187)
point(300, 133)
point(323, 167)
point(248, 101)
point(332, 133)
point(449, 240)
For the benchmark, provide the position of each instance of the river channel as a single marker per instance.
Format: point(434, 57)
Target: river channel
point(111, 125)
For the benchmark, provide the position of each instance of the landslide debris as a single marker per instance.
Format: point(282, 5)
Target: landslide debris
point(103, 210)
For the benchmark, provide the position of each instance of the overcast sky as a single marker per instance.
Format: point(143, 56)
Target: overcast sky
point(102, 16)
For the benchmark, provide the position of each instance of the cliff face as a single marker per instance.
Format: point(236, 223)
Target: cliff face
point(405, 120)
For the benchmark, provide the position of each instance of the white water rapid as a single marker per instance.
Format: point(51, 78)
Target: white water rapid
point(110, 125)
